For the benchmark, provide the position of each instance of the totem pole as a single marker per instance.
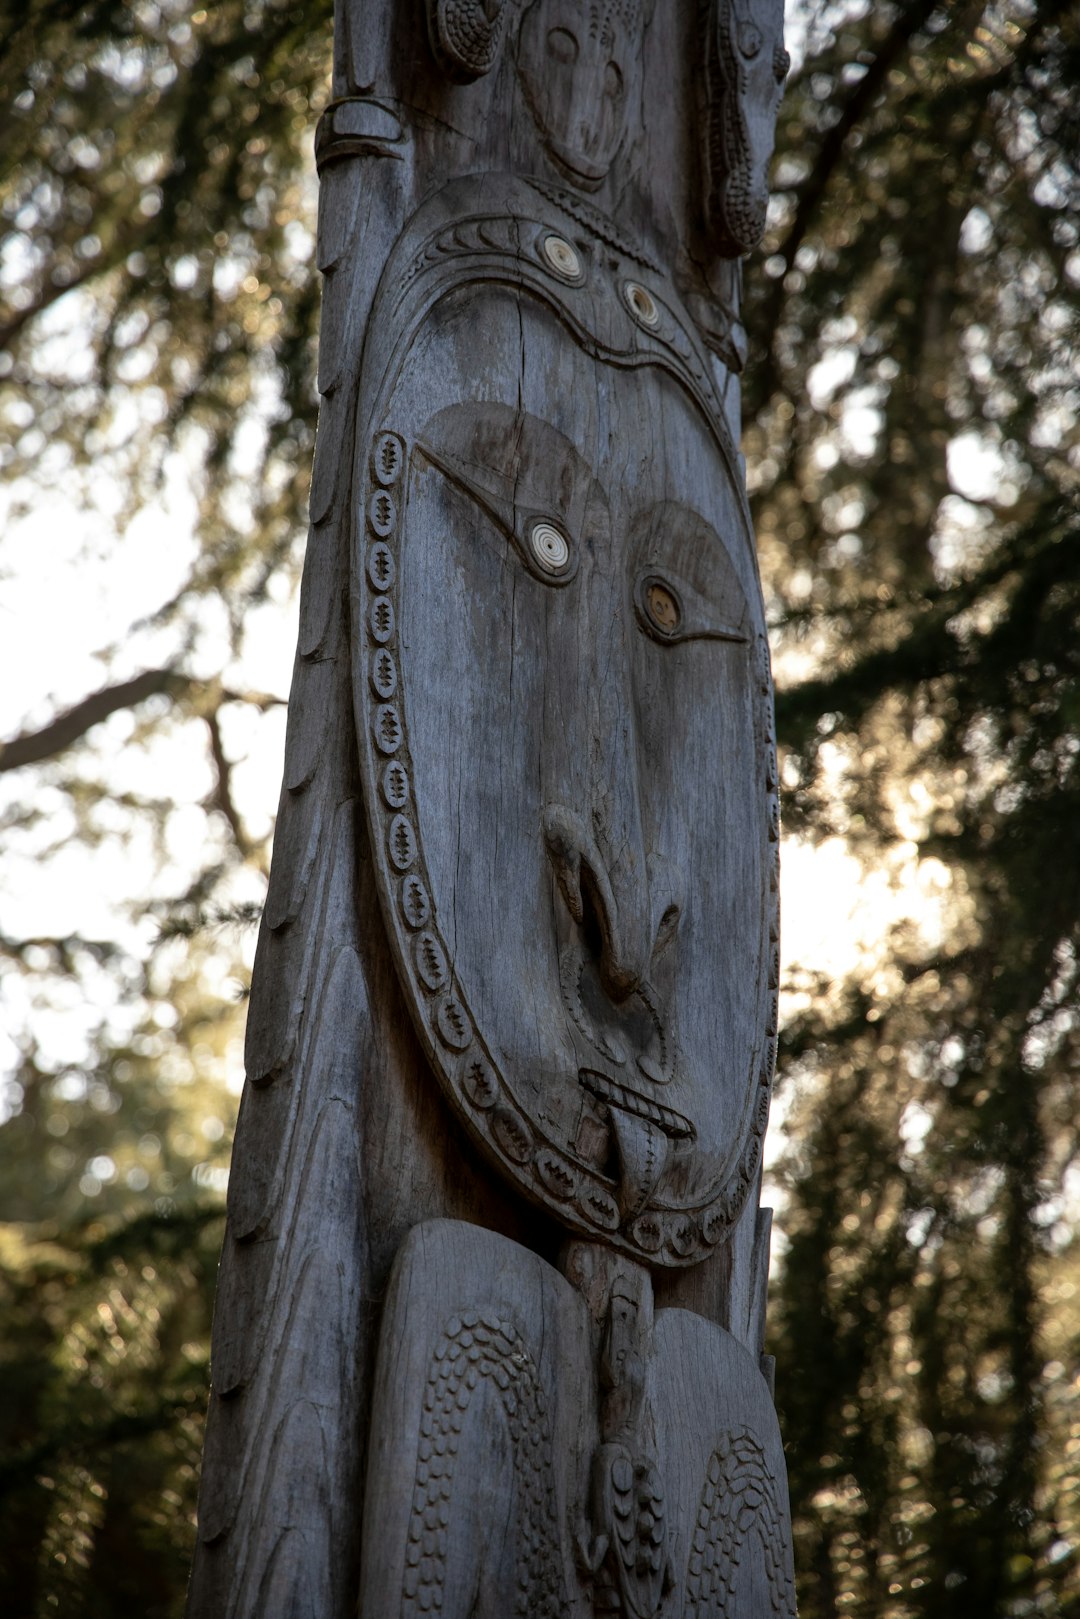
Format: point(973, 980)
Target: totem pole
point(489, 1328)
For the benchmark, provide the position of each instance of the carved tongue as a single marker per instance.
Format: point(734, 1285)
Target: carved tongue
point(643, 1150)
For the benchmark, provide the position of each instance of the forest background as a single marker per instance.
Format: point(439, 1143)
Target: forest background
point(911, 431)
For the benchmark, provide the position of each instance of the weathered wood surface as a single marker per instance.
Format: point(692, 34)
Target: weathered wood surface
point(518, 962)
point(503, 1479)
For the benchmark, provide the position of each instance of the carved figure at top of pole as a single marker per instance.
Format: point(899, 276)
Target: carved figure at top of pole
point(578, 67)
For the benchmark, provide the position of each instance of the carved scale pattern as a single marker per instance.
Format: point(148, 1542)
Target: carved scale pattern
point(466, 34)
point(738, 1499)
point(479, 1348)
point(636, 1531)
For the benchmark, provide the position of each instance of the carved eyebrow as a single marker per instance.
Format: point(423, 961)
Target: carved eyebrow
point(510, 460)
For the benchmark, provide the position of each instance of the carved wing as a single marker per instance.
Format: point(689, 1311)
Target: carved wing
point(632, 1507)
point(281, 1451)
point(476, 1437)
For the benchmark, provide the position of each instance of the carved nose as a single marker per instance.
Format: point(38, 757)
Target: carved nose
point(630, 907)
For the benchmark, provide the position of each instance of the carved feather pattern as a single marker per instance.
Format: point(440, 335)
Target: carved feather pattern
point(633, 1500)
point(481, 1349)
point(739, 1500)
point(290, 1257)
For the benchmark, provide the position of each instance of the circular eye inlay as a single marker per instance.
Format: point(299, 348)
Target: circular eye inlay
point(561, 258)
point(641, 303)
point(550, 548)
point(662, 607)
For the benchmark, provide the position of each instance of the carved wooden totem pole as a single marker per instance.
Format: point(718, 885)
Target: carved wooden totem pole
point(489, 1329)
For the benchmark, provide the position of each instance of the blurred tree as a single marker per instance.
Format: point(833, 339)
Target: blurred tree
point(158, 310)
point(912, 439)
point(914, 443)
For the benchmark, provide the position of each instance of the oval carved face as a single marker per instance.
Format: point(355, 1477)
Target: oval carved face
point(578, 67)
point(564, 720)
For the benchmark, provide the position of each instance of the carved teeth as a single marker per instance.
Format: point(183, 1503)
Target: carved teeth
point(627, 1101)
point(479, 1084)
point(414, 902)
point(383, 674)
point(381, 565)
point(512, 1134)
point(387, 458)
point(381, 619)
point(381, 513)
point(430, 962)
point(388, 731)
point(402, 842)
point(395, 785)
point(453, 1024)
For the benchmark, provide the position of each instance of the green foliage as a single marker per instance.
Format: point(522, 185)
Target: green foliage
point(159, 156)
point(913, 448)
point(104, 1363)
point(158, 312)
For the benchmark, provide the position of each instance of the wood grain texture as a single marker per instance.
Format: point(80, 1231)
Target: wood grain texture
point(516, 981)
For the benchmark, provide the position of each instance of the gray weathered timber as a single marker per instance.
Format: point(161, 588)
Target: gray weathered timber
point(488, 1494)
point(489, 1330)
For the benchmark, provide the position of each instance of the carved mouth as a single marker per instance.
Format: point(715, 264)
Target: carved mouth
point(576, 166)
point(633, 1034)
point(674, 1125)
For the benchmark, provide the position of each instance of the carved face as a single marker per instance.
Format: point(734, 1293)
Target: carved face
point(567, 735)
point(578, 65)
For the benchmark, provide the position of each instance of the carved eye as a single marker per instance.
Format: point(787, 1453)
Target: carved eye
point(561, 257)
point(562, 46)
point(641, 304)
point(750, 41)
point(613, 82)
point(662, 608)
point(550, 548)
point(671, 609)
